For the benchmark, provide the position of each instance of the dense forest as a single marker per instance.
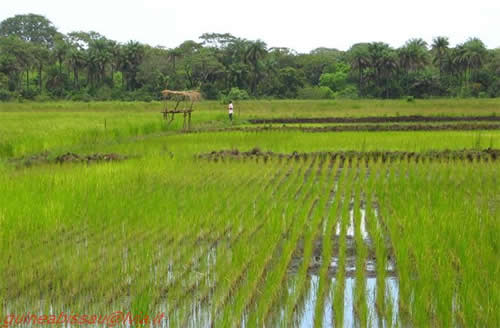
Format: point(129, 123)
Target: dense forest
point(39, 63)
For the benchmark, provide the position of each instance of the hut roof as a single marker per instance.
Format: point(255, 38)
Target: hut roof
point(191, 94)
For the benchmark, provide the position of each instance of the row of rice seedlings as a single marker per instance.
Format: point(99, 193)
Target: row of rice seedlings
point(449, 254)
point(360, 306)
point(373, 244)
point(233, 259)
point(433, 240)
point(378, 241)
point(298, 280)
point(470, 254)
point(99, 247)
point(280, 229)
point(226, 289)
point(275, 280)
point(287, 239)
point(174, 288)
point(439, 174)
point(69, 267)
point(341, 230)
point(477, 281)
point(144, 269)
point(328, 248)
point(385, 183)
point(240, 220)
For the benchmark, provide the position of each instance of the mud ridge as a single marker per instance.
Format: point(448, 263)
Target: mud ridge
point(350, 156)
point(75, 158)
point(47, 158)
point(377, 119)
point(358, 127)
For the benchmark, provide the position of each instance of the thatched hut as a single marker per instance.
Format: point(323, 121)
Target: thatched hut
point(184, 98)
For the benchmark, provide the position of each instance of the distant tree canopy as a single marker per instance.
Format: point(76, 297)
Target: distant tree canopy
point(38, 62)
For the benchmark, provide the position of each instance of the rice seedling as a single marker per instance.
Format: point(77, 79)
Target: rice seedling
point(248, 237)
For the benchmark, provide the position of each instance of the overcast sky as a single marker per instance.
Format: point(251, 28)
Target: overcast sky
point(300, 25)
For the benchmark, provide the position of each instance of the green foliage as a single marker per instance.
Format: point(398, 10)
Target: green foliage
point(349, 92)
point(34, 54)
point(337, 79)
point(234, 94)
point(316, 93)
point(165, 228)
point(5, 95)
point(103, 93)
point(31, 28)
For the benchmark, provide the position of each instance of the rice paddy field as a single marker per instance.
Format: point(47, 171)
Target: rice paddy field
point(104, 207)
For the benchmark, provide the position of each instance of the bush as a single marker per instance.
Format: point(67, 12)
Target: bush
point(117, 94)
point(43, 98)
point(234, 94)
point(5, 95)
point(142, 95)
point(209, 91)
point(29, 94)
point(238, 94)
point(104, 93)
point(81, 95)
point(349, 92)
point(316, 93)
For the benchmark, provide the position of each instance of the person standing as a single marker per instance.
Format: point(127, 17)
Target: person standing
point(230, 108)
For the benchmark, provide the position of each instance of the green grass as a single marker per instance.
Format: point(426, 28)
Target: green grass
point(233, 241)
point(28, 128)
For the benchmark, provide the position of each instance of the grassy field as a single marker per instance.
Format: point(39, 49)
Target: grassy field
point(28, 128)
point(275, 240)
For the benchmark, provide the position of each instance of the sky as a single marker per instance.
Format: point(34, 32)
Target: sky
point(299, 25)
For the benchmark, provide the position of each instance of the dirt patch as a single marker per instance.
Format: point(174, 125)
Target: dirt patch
point(403, 127)
point(375, 127)
point(47, 158)
point(28, 161)
point(350, 156)
point(358, 127)
point(75, 158)
point(377, 119)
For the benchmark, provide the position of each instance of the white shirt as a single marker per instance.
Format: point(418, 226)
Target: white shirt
point(230, 108)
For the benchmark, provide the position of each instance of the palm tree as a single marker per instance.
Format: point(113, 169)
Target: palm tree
point(440, 49)
point(469, 57)
point(133, 53)
point(383, 61)
point(173, 54)
point(41, 55)
point(475, 51)
point(359, 60)
point(60, 51)
point(100, 55)
point(254, 52)
point(413, 55)
point(77, 60)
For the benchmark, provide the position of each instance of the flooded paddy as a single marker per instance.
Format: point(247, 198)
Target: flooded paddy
point(315, 240)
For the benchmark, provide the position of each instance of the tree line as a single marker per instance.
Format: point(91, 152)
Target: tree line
point(37, 62)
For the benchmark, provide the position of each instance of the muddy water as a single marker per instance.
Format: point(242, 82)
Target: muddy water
point(199, 311)
point(305, 314)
